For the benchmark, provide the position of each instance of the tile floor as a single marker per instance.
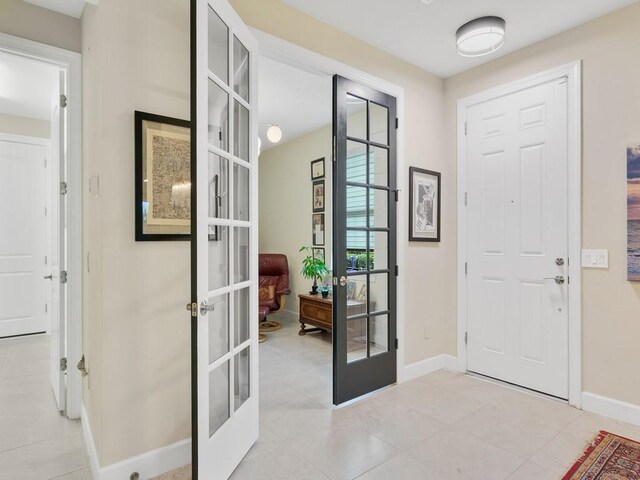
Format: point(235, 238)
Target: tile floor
point(36, 442)
point(442, 426)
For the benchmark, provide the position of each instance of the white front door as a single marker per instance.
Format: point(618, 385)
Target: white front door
point(517, 285)
point(22, 241)
point(224, 242)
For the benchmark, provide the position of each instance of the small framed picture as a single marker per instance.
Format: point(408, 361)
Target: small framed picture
point(317, 169)
point(351, 289)
point(318, 252)
point(318, 196)
point(162, 177)
point(318, 229)
point(424, 205)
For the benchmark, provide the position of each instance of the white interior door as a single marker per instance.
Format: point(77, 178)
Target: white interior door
point(225, 241)
point(517, 310)
point(57, 221)
point(22, 236)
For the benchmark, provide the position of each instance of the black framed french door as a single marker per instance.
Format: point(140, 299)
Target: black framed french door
point(364, 240)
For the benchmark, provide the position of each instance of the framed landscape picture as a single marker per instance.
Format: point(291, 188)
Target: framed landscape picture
point(633, 212)
point(424, 205)
point(162, 177)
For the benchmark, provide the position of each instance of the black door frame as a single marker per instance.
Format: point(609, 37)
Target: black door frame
point(352, 380)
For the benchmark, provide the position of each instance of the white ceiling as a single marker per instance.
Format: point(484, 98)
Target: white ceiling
point(297, 100)
point(425, 34)
point(27, 87)
point(72, 8)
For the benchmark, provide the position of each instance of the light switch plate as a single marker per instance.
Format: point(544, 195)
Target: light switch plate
point(595, 258)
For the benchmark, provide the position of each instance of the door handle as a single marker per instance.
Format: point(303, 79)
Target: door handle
point(206, 308)
point(559, 279)
point(343, 281)
point(48, 277)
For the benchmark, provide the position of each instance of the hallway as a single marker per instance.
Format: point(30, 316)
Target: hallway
point(36, 442)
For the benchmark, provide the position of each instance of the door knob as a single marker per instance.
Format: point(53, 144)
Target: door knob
point(48, 277)
point(559, 279)
point(206, 308)
point(343, 281)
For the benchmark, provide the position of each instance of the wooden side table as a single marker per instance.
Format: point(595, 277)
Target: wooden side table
point(317, 311)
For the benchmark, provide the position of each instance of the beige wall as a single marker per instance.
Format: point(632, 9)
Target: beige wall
point(31, 127)
point(285, 203)
point(430, 270)
point(24, 20)
point(136, 335)
point(135, 57)
point(611, 104)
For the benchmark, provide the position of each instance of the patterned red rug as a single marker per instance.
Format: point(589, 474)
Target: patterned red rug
point(609, 457)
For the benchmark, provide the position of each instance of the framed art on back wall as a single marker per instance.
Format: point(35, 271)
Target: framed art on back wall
point(424, 205)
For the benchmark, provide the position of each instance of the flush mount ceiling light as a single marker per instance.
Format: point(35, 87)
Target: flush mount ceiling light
point(481, 36)
point(274, 134)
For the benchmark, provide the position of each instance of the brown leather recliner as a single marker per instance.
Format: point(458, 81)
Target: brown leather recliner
point(273, 269)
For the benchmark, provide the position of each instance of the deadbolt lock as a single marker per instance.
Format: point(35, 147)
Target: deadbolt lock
point(559, 261)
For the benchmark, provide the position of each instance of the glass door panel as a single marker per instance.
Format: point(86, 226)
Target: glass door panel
point(219, 411)
point(218, 328)
point(364, 309)
point(218, 116)
point(218, 186)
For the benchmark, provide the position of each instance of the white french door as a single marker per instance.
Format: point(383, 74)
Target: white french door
point(517, 238)
point(22, 236)
point(224, 240)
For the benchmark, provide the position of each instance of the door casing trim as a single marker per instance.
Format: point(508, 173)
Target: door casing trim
point(71, 62)
point(294, 55)
point(573, 72)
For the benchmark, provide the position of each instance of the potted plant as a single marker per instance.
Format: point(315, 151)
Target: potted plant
point(313, 268)
point(325, 289)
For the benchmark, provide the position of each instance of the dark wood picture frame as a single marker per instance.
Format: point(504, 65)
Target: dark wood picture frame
point(320, 217)
point(140, 131)
point(318, 206)
point(428, 211)
point(314, 166)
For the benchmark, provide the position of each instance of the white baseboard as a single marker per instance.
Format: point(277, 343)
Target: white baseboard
point(148, 465)
point(609, 407)
point(89, 444)
point(427, 366)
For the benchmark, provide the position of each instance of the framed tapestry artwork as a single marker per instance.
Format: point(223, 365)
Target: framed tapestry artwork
point(318, 196)
point(633, 213)
point(317, 169)
point(318, 229)
point(424, 205)
point(162, 178)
